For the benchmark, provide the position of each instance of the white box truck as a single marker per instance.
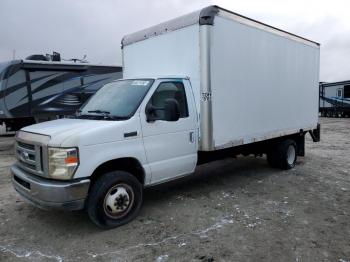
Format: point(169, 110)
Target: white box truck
point(205, 86)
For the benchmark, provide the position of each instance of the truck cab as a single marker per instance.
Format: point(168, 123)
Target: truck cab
point(144, 129)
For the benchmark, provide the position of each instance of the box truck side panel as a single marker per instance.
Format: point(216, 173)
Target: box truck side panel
point(263, 84)
point(172, 53)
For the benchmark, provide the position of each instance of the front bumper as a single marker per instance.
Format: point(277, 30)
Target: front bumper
point(47, 194)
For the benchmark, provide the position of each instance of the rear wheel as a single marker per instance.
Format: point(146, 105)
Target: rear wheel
point(283, 155)
point(115, 199)
point(291, 155)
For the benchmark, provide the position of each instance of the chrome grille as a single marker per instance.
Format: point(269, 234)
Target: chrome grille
point(26, 146)
point(29, 157)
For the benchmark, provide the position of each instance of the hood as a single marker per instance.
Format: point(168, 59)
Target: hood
point(76, 132)
point(55, 127)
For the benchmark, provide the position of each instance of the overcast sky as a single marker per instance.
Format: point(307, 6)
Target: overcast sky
point(92, 27)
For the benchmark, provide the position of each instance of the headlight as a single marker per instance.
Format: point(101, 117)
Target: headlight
point(63, 162)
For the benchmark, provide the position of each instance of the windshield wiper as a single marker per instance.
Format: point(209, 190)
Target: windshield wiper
point(99, 112)
point(107, 114)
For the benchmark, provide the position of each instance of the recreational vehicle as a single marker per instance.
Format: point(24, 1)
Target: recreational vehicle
point(335, 99)
point(34, 91)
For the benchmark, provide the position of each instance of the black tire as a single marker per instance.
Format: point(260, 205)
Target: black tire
point(283, 155)
point(104, 197)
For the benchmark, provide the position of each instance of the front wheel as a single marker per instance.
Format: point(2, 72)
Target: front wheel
point(115, 199)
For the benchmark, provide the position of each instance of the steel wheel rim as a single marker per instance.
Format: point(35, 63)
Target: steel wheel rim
point(291, 155)
point(118, 201)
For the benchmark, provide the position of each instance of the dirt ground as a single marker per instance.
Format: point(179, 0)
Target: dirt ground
point(230, 210)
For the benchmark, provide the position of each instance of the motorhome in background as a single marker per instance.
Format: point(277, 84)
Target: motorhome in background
point(43, 89)
point(335, 99)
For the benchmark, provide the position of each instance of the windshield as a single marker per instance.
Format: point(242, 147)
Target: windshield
point(117, 100)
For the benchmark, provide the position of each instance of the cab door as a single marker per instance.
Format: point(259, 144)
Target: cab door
point(171, 146)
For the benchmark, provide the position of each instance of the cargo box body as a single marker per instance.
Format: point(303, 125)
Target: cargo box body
point(251, 81)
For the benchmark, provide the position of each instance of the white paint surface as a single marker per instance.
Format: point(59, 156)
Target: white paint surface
point(263, 84)
point(169, 151)
point(173, 53)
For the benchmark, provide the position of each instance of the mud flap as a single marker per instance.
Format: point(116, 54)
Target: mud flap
point(301, 145)
point(316, 133)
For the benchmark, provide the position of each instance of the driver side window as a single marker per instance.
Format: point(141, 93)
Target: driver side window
point(166, 90)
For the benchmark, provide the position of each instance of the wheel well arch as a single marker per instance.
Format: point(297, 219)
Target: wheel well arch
point(127, 164)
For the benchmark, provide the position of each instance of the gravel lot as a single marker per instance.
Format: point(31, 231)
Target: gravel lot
point(230, 210)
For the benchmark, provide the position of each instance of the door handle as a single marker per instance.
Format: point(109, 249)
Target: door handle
point(130, 134)
point(191, 137)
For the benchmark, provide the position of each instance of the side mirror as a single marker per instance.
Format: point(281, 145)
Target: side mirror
point(171, 110)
